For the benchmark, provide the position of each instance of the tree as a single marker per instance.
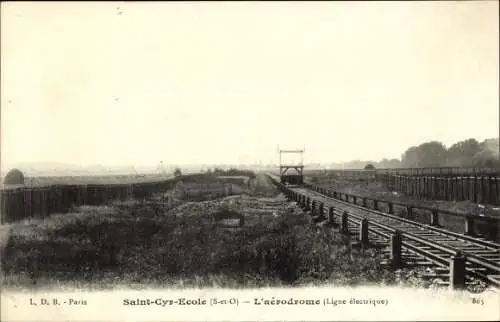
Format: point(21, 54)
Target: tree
point(394, 163)
point(369, 166)
point(488, 155)
point(461, 154)
point(388, 164)
point(14, 176)
point(410, 158)
point(177, 172)
point(429, 154)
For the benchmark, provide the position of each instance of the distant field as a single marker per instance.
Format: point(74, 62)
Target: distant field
point(111, 179)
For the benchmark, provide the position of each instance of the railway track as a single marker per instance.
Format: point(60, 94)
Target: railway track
point(464, 257)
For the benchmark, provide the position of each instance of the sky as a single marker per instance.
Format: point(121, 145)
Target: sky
point(136, 83)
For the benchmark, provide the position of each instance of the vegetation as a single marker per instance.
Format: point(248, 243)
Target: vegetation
point(106, 247)
point(466, 153)
point(14, 176)
point(177, 172)
point(369, 166)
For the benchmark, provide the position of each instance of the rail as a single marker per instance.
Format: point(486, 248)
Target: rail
point(466, 256)
point(434, 219)
point(469, 219)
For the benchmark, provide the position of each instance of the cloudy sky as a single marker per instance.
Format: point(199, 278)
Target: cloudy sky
point(188, 82)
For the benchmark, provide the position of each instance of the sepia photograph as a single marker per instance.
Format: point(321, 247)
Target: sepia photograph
point(250, 161)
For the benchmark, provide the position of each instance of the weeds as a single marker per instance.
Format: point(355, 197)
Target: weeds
point(137, 246)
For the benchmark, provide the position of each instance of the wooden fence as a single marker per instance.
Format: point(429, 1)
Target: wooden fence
point(484, 190)
point(487, 226)
point(20, 203)
point(434, 172)
point(479, 185)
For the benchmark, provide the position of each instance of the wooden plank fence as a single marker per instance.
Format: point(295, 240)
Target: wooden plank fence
point(20, 203)
point(484, 190)
point(472, 224)
point(479, 185)
point(432, 172)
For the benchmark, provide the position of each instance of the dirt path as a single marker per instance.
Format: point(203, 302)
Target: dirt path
point(264, 187)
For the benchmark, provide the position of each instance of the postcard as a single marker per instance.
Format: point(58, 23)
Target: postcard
point(250, 161)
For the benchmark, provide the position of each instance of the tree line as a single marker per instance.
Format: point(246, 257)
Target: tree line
point(466, 153)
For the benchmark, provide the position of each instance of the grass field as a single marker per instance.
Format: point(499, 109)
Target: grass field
point(149, 244)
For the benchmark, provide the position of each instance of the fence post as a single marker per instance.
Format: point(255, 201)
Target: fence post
point(44, 203)
point(497, 192)
point(331, 215)
point(475, 189)
point(396, 249)
point(344, 224)
point(418, 187)
point(491, 190)
point(364, 202)
point(469, 226)
point(409, 211)
point(27, 203)
point(438, 188)
point(467, 188)
point(3, 209)
point(461, 189)
point(363, 232)
point(481, 189)
point(457, 271)
point(446, 189)
point(435, 218)
point(391, 208)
